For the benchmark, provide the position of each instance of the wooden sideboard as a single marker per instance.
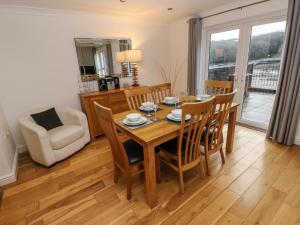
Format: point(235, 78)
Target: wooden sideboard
point(114, 99)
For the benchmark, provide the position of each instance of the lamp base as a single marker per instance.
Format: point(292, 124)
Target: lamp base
point(124, 67)
point(134, 72)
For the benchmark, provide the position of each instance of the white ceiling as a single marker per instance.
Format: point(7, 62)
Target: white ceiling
point(148, 9)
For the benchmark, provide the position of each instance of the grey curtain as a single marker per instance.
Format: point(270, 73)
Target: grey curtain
point(286, 108)
point(194, 48)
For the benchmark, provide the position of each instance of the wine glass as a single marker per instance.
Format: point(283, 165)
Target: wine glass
point(155, 108)
point(176, 101)
point(182, 95)
point(149, 107)
point(199, 93)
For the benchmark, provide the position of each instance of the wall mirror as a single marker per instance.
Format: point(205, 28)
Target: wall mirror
point(97, 57)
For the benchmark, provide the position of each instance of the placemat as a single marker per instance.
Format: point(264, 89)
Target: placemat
point(136, 127)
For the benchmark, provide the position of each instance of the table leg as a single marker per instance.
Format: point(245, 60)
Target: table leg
point(149, 164)
point(231, 130)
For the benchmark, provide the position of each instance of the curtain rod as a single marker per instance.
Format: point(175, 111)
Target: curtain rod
point(229, 10)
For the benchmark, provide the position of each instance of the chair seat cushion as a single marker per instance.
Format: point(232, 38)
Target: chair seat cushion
point(171, 146)
point(210, 134)
point(134, 151)
point(65, 135)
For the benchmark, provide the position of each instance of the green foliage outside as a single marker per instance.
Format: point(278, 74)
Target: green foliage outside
point(262, 47)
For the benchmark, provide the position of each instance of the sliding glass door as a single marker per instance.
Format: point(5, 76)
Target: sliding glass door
point(249, 55)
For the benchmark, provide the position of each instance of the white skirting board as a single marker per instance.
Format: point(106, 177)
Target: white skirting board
point(297, 141)
point(11, 177)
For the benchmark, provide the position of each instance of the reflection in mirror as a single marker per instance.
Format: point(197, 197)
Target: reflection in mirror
point(97, 58)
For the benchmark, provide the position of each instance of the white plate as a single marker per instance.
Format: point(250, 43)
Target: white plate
point(202, 97)
point(171, 117)
point(136, 123)
point(169, 103)
point(146, 109)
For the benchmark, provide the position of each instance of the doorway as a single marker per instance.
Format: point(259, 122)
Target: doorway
point(250, 55)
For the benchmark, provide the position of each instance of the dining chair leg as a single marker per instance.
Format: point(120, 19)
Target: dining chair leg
point(202, 172)
point(129, 184)
point(181, 184)
point(222, 156)
point(116, 174)
point(157, 167)
point(207, 163)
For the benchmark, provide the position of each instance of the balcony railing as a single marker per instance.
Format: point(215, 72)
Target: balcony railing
point(262, 75)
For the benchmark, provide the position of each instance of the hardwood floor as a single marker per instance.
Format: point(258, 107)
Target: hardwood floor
point(259, 184)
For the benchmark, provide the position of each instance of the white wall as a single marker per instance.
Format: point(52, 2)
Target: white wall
point(8, 156)
point(38, 57)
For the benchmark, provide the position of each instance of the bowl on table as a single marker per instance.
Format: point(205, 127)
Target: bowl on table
point(170, 100)
point(176, 113)
point(203, 97)
point(148, 105)
point(133, 117)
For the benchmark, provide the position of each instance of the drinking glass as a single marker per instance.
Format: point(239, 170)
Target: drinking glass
point(176, 101)
point(199, 93)
point(184, 95)
point(155, 108)
point(148, 113)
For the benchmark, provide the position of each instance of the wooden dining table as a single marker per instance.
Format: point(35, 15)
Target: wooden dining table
point(156, 133)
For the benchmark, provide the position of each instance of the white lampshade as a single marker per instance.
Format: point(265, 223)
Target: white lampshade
point(133, 55)
point(120, 57)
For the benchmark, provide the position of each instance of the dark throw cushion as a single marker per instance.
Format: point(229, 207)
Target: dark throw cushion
point(47, 119)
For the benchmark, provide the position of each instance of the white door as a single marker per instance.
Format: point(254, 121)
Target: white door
point(261, 73)
point(249, 54)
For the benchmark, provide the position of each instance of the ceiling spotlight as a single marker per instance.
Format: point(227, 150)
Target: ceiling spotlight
point(170, 9)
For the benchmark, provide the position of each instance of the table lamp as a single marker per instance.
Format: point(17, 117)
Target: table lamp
point(120, 57)
point(134, 56)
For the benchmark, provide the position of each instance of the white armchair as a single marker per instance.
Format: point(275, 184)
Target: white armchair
point(48, 147)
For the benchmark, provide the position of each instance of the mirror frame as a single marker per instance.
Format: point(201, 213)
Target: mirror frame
point(125, 67)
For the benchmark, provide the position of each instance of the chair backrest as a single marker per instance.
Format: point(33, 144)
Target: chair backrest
point(105, 118)
point(135, 97)
point(160, 91)
point(219, 113)
point(216, 87)
point(191, 131)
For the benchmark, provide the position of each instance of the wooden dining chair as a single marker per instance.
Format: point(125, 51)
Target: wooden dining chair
point(160, 91)
point(212, 139)
point(135, 97)
point(128, 156)
point(216, 87)
point(183, 153)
